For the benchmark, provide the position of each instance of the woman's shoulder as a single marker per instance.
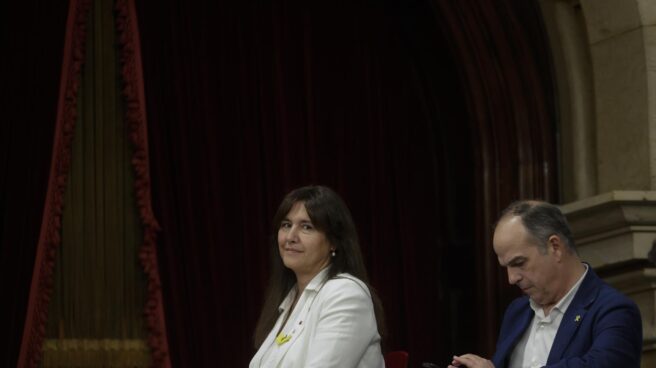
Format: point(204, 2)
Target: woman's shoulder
point(347, 283)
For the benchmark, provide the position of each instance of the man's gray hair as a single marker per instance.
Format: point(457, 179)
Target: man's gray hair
point(541, 220)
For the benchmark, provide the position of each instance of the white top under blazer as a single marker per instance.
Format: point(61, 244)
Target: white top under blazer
point(332, 326)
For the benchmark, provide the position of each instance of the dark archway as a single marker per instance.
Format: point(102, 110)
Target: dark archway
point(505, 69)
point(488, 67)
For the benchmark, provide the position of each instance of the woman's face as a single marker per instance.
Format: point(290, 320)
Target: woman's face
point(303, 249)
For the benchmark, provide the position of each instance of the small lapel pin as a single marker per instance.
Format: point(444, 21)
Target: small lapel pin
point(578, 318)
point(281, 338)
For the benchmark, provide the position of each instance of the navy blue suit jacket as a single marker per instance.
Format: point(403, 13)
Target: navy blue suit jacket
point(601, 328)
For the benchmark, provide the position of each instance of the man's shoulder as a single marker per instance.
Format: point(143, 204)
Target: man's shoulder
point(607, 296)
point(596, 291)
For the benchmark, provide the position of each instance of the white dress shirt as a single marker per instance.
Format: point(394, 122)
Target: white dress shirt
point(532, 350)
point(332, 326)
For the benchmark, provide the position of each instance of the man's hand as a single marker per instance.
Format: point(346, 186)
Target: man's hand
point(470, 361)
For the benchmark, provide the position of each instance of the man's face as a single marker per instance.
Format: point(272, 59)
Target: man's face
point(534, 271)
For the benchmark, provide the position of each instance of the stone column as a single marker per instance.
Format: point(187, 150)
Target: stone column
point(615, 232)
point(622, 43)
point(605, 62)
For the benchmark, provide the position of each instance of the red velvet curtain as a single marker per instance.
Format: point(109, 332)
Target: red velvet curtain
point(247, 100)
point(32, 40)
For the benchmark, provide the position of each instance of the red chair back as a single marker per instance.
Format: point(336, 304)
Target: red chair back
point(396, 359)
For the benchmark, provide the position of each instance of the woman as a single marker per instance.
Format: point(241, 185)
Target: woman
point(319, 309)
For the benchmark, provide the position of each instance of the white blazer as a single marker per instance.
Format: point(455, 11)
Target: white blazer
point(332, 326)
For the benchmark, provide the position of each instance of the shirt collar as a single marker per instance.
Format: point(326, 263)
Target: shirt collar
point(314, 285)
point(565, 301)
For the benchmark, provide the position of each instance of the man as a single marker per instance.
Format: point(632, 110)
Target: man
point(569, 316)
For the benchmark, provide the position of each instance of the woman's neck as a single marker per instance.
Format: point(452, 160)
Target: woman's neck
point(301, 283)
point(302, 280)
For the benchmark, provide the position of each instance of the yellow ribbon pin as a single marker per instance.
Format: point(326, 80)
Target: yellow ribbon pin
point(578, 318)
point(281, 338)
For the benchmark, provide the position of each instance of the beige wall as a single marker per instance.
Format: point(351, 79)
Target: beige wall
point(605, 62)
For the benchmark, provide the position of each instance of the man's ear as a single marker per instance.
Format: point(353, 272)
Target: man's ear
point(556, 246)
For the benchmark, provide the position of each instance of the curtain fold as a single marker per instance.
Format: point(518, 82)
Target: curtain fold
point(135, 117)
point(100, 287)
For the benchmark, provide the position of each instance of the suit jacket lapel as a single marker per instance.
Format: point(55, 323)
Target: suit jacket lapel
point(506, 346)
point(575, 313)
point(568, 327)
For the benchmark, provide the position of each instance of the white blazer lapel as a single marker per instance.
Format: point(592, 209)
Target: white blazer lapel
point(294, 328)
point(270, 339)
point(297, 326)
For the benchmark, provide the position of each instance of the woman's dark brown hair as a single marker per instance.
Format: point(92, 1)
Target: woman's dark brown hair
point(330, 215)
